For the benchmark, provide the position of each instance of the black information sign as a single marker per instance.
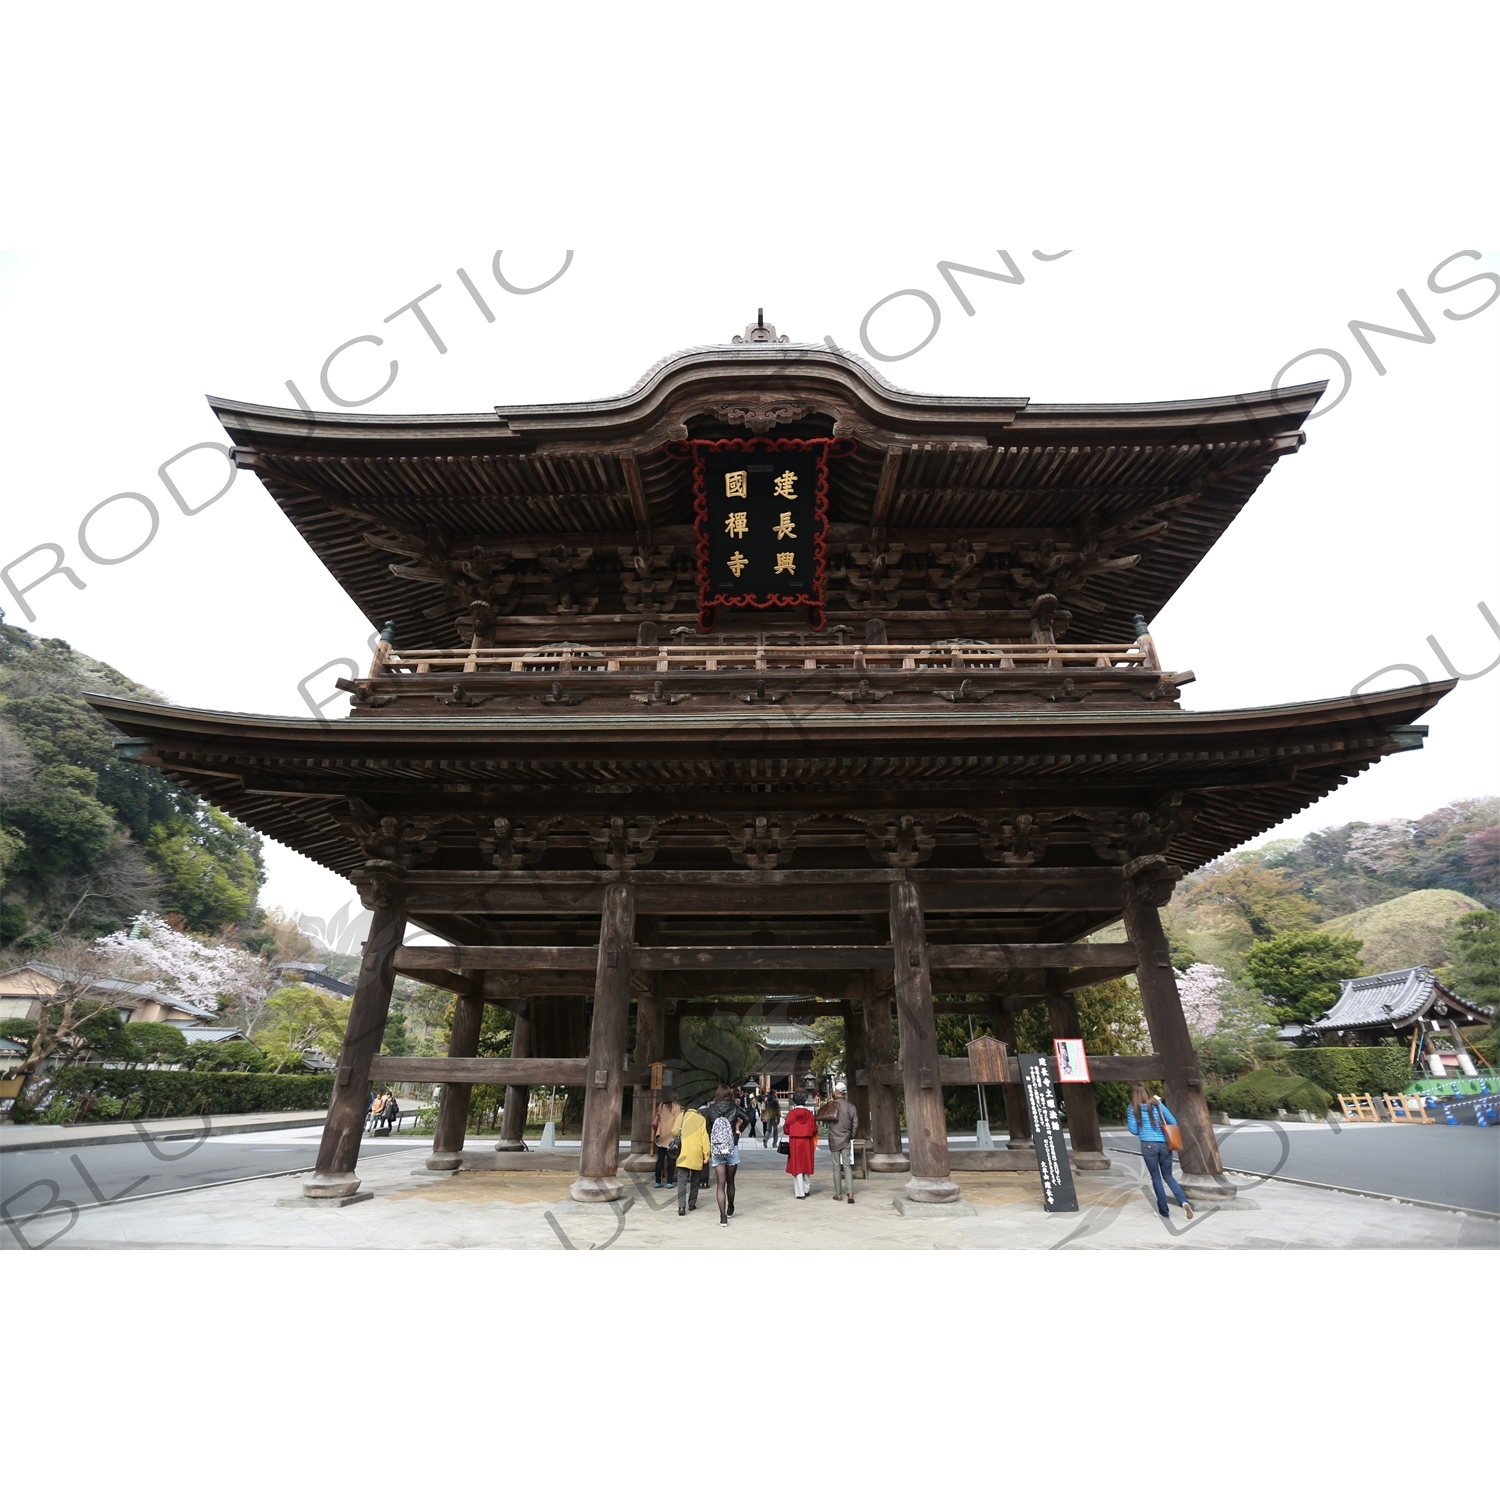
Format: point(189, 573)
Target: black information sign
point(1058, 1194)
point(761, 508)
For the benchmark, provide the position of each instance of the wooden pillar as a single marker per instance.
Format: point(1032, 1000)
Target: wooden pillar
point(885, 1154)
point(1017, 1115)
point(453, 1110)
point(650, 1027)
point(857, 1061)
point(605, 1073)
point(343, 1130)
point(1202, 1172)
point(517, 1095)
point(1078, 1098)
point(921, 1072)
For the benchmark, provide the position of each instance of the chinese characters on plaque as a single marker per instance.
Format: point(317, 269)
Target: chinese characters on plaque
point(762, 527)
point(1058, 1192)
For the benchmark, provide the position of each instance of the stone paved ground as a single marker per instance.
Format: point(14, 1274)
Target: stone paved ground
point(531, 1211)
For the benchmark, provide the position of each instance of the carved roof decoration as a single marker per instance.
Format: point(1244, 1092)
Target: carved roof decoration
point(950, 518)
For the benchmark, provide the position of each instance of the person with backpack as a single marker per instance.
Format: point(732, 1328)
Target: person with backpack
point(725, 1121)
point(800, 1145)
point(770, 1122)
point(692, 1154)
point(1148, 1118)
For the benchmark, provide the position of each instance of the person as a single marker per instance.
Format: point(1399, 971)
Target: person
point(802, 1139)
point(1146, 1118)
point(392, 1111)
point(663, 1129)
point(377, 1113)
point(725, 1120)
point(691, 1157)
point(843, 1126)
point(770, 1123)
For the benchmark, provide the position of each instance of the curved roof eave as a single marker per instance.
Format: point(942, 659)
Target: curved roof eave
point(802, 366)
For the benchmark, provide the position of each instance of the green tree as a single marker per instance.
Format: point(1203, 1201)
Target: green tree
point(1476, 975)
point(156, 1041)
point(211, 868)
point(299, 1018)
point(717, 1049)
point(1300, 973)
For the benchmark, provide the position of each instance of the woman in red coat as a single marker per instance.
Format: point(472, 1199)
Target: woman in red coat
point(801, 1132)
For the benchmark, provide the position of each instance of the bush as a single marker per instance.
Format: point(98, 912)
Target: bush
point(159, 1094)
point(1354, 1070)
point(156, 1041)
point(1258, 1095)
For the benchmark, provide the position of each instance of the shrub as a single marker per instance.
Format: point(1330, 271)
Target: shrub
point(1258, 1095)
point(1353, 1070)
point(156, 1041)
point(158, 1094)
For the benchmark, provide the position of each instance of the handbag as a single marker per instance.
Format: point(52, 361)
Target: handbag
point(1172, 1133)
point(785, 1148)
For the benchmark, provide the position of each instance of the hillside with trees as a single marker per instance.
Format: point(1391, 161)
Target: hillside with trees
point(88, 840)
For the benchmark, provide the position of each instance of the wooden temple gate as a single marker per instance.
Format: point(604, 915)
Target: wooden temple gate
point(910, 777)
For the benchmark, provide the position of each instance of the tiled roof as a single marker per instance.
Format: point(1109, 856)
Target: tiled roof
point(213, 1034)
point(132, 988)
point(1384, 999)
point(790, 1034)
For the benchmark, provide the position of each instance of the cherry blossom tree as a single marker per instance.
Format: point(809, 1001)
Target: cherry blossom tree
point(212, 975)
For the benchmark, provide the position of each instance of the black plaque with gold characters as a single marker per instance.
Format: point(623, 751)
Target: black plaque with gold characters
point(761, 523)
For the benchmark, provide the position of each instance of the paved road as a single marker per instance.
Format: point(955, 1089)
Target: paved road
point(1458, 1165)
point(33, 1181)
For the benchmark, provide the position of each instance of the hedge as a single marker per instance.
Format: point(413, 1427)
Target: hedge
point(1258, 1095)
point(1353, 1070)
point(149, 1093)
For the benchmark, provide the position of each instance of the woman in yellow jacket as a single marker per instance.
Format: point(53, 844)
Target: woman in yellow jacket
point(692, 1157)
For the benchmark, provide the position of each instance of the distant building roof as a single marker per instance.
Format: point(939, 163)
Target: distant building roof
point(318, 975)
point(126, 989)
point(789, 1034)
point(213, 1034)
point(1395, 999)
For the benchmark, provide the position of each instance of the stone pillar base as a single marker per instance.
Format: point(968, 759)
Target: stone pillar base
point(331, 1185)
point(932, 1190)
point(1090, 1161)
point(879, 1162)
point(1199, 1186)
point(640, 1161)
point(510, 1145)
point(1014, 1145)
point(445, 1161)
point(595, 1190)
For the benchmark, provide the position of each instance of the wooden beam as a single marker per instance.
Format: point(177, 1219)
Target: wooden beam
point(1113, 1068)
point(1032, 955)
point(637, 493)
point(885, 493)
point(443, 979)
point(499, 1072)
point(510, 960)
point(709, 893)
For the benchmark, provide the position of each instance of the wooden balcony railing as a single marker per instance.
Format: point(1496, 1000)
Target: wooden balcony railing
point(646, 660)
point(1119, 674)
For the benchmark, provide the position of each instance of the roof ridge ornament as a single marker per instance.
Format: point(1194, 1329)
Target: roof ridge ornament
point(760, 332)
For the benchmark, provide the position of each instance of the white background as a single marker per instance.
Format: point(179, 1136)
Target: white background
point(210, 199)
